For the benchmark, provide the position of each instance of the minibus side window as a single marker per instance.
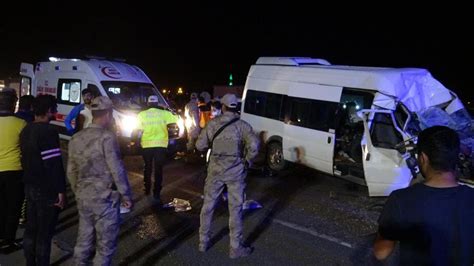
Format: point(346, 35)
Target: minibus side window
point(255, 103)
point(363, 99)
point(273, 106)
point(263, 104)
point(383, 133)
point(300, 112)
point(314, 114)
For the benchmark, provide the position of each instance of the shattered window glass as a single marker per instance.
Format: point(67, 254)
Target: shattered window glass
point(383, 132)
point(400, 116)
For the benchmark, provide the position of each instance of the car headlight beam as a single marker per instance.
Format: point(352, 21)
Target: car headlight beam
point(129, 123)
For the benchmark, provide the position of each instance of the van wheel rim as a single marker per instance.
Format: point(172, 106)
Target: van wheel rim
point(276, 157)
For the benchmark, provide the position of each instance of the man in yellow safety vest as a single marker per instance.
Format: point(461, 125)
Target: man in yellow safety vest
point(153, 132)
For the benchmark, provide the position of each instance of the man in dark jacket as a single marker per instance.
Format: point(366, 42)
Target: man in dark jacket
point(25, 112)
point(44, 179)
point(433, 221)
point(25, 108)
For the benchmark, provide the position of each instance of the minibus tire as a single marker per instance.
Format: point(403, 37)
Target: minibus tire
point(275, 160)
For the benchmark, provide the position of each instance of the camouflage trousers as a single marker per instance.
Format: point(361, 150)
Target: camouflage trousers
point(212, 193)
point(99, 225)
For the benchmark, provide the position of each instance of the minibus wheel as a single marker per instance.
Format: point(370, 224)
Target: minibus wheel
point(275, 160)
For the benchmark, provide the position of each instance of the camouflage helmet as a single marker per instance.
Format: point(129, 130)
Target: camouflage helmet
point(101, 103)
point(229, 100)
point(206, 96)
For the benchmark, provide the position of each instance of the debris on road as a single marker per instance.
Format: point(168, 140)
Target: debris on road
point(251, 205)
point(179, 205)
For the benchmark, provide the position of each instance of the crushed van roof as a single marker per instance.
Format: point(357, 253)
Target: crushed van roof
point(415, 87)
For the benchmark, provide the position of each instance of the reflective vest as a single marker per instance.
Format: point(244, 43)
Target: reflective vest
point(204, 114)
point(154, 125)
point(204, 117)
point(11, 128)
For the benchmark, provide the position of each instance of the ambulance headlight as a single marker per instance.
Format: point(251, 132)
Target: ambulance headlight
point(129, 123)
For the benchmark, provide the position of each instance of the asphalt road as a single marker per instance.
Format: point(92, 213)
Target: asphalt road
point(307, 219)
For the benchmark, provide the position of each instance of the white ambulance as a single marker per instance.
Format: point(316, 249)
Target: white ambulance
point(350, 121)
point(126, 85)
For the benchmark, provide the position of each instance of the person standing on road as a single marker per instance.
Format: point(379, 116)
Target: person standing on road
point(87, 96)
point(25, 108)
point(94, 169)
point(191, 113)
point(153, 134)
point(433, 221)
point(11, 185)
point(216, 109)
point(84, 119)
point(45, 181)
point(232, 151)
point(204, 112)
point(25, 112)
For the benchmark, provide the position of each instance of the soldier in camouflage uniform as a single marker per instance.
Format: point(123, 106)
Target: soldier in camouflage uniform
point(94, 167)
point(232, 151)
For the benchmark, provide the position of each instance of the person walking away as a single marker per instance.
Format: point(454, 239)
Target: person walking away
point(87, 96)
point(233, 146)
point(11, 185)
point(45, 181)
point(432, 221)
point(153, 135)
point(94, 169)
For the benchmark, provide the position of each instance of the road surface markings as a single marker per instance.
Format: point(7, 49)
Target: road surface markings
point(293, 226)
point(312, 232)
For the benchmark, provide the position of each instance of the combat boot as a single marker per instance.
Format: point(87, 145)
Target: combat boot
point(239, 252)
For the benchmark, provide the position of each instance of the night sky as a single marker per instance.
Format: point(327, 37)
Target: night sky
point(197, 46)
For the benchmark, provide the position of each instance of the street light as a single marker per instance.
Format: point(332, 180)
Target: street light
point(164, 90)
point(180, 90)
